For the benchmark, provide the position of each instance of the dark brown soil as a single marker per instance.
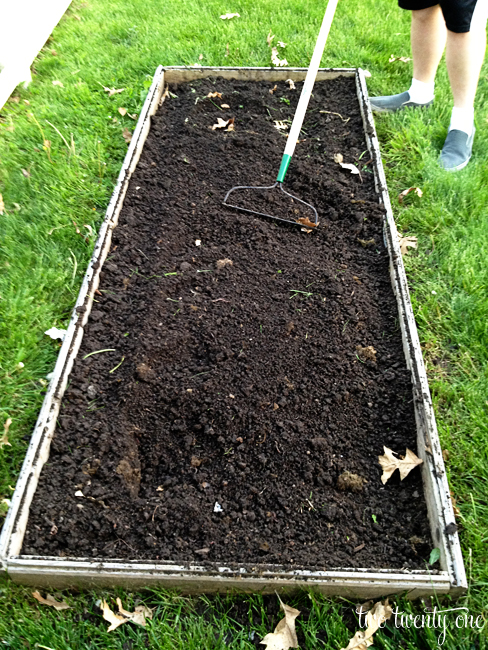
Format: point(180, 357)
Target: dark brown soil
point(239, 376)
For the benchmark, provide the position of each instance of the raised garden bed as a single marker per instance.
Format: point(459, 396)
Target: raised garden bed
point(225, 389)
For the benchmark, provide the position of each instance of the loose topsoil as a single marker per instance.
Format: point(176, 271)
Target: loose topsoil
point(241, 370)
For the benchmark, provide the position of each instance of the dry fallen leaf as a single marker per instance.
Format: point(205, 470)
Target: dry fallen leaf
point(403, 59)
point(4, 438)
point(139, 614)
point(281, 44)
point(219, 95)
point(224, 106)
point(271, 90)
point(353, 169)
point(127, 135)
point(367, 353)
point(229, 16)
point(221, 124)
point(375, 618)
point(406, 242)
point(224, 262)
point(58, 83)
point(2, 205)
point(122, 111)
point(275, 60)
point(390, 463)
point(291, 83)
point(112, 91)
point(25, 173)
point(200, 57)
point(284, 635)
point(280, 125)
point(51, 601)
point(195, 462)
point(269, 38)
point(403, 194)
point(305, 221)
point(338, 158)
point(365, 243)
point(114, 619)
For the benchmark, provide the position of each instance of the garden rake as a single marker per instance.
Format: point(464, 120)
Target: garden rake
point(294, 133)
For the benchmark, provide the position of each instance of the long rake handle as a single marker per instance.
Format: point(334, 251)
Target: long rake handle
point(307, 89)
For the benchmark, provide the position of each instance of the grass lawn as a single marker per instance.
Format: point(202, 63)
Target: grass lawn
point(61, 146)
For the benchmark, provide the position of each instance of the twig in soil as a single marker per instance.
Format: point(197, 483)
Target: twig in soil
point(200, 373)
point(154, 513)
point(98, 352)
point(142, 253)
point(117, 366)
point(220, 300)
point(344, 119)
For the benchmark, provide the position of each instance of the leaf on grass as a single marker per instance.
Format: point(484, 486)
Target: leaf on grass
point(281, 44)
point(127, 135)
point(338, 158)
point(25, 173)
point(114, 619)
point(139, 614)
point(406, 242)
point(375, 619)
point(403, 59)
point(305, 221)
point(4, 438)
point(200, 57)
point(58, 83)
point(55, 333)
point(280, 125)
point(353, 169)
point(390, 463)
point(211, 95)
point(113, 91)
point(269, 38)
point(403, 194)
point(122, 111)
point(284, 635)
point(291, 83)
point(2, 205)
point(275, 60)
point(229, 16)
point(51, 601)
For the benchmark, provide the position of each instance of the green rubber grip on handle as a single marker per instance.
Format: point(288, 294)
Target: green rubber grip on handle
point(285, 163)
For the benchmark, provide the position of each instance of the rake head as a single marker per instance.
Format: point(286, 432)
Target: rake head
point(292, 209)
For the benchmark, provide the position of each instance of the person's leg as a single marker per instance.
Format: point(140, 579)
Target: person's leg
point(465, 51)
point(428, 39)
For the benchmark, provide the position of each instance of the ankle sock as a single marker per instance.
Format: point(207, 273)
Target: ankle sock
point(420, 92)
point(462, 119)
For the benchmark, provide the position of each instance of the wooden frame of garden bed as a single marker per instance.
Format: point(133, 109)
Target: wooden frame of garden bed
point(194, 578)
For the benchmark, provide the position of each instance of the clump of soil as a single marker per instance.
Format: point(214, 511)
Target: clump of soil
point(222, 427)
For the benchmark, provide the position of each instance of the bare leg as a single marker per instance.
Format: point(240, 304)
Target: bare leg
point(428, 39)
point(464, 57)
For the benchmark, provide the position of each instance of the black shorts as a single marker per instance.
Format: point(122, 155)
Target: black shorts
point(458, 14)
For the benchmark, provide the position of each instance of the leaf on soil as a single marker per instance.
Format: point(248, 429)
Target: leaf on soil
point(350, 166)
point(275, 60)
point(122, 111)
point(51, 601)
point(211, 95)
point(221, 124)
point(280, 125)
point(269, 38)
point(127, 135)
point(367, 353)
point(406, 242)
point(113, 91)
point(58, 83)
point(229, 16)
point(4, 438)
point(55, 333)
point(390, 463)
point(225, 262)
point(375, 618)
point(224, 106)
point(305, 221)
point(2, 205)
point(271, 90)
point(403, 194)
point(403, 59)
point(291, 83)
point(196, 462)
point(284, 635)
point(365, 243)
point(338, 158)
